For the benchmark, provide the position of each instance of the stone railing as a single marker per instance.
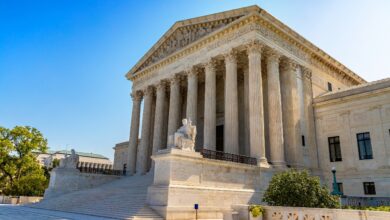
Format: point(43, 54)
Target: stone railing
point(298, 213)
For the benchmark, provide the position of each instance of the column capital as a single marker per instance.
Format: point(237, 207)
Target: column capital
point(136, 95)
point(273, 55)
point(175, 80)
point(306, 72)
point(210, 65)
point(254, 46)
point(231, 56)
point(288, 65)
point(148, 91)
point(161, 86)
point(192, 71)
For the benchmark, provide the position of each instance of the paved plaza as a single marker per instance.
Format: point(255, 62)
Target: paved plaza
point(15, 212)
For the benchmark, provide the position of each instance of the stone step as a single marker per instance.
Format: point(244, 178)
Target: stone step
point(121, 199)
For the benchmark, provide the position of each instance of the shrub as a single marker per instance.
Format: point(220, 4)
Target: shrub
point(369, 208)
point(256, 210)
point(299, 189)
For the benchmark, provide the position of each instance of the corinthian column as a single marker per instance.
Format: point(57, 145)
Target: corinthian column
point(134, 128)
point(290, 109)
point(309, 116)
point(174, 106)
point(231, 105)
point(210, 107)
point(192, 95)
point(256, 111)
point(275, 124)
point(142, 160)
point(159, 117)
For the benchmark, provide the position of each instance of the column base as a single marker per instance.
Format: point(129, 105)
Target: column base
point(262, 162)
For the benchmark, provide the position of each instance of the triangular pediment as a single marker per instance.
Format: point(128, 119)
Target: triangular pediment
point(185, 32)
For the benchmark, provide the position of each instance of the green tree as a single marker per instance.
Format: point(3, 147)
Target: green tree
point(299, 189)
point(55, 163)
point(20, 172)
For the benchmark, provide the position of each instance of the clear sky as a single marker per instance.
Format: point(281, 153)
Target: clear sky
point(62, 63)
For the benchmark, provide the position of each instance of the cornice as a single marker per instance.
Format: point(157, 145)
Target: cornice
point(347, 98)
point(318, 58)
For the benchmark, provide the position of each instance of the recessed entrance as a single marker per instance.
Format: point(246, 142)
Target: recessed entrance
point(219, 138)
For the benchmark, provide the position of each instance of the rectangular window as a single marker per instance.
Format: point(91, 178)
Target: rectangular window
point(369, 188)
point(340, 186)
point(334, 149)
point(330, 87)
point(364, 145)
point(303, 140)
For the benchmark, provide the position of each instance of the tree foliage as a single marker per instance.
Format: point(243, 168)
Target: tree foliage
point(55, 163)
point(299, 189)
point(20, 172)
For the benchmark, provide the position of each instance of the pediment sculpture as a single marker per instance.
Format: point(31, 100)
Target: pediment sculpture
point(185, 136)
point(183, 36)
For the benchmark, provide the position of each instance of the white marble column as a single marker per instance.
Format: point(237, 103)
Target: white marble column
point(210, 107)
point(142, 160)
point(309, 117)
point(159, 117)
point(174, 106)
point(231, 105)
point(246, 109)
point(256, 108)
point(192, 95)
point(275, 124)
point(134, 130)
point(290, 109)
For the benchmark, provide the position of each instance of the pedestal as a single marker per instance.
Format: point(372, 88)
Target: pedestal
point(184, 178)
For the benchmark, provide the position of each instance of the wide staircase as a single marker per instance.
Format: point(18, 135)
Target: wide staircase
point(120, 199)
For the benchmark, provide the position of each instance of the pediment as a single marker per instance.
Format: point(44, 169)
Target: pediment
point(185, 32)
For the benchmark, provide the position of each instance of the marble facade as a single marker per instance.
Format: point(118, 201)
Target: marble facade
point(248, 82)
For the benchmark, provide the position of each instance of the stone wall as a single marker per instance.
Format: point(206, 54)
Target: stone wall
point(66, 180)
point(120, 155)
point(293, 213)
point(345, 114)
point(19, 199)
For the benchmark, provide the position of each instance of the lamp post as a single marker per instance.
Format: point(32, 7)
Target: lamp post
point(336, 190)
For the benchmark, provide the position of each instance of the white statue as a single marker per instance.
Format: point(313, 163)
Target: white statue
point(70, 161)
point(185, 136)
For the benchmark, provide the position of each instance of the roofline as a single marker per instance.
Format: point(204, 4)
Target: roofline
point(355, 90)
point(268, 18)
point(77, 153)
point(190, 21)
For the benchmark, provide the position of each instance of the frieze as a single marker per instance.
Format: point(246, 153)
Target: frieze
point(241, 27)
point(263, 30)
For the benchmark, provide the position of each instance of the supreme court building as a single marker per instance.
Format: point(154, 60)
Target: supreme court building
point(260, 92)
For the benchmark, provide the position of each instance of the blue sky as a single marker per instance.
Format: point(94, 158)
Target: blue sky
point(62, 63)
